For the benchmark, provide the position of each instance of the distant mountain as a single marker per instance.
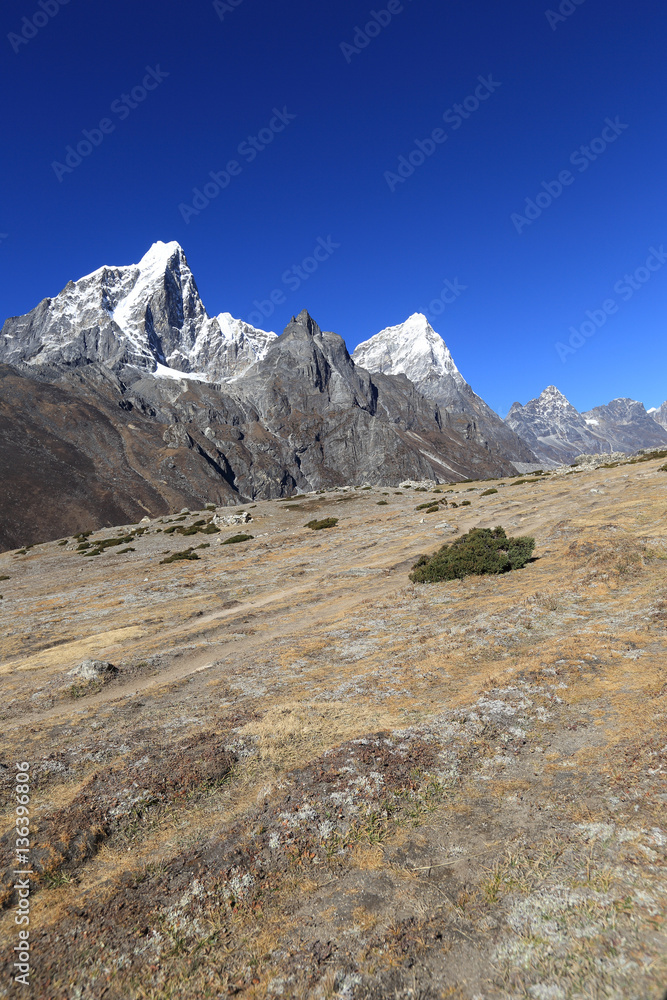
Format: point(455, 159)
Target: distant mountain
point(626, 426)
point(660, 415)
point(557, 432)
point(147, 317)
point(414, 349)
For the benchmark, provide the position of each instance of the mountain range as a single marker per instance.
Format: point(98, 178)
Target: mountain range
point(557, 432)
point(121, 396)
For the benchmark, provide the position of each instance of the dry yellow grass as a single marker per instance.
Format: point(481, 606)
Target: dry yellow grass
point(543, 692)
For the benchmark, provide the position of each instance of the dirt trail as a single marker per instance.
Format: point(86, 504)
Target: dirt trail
point(212, 656)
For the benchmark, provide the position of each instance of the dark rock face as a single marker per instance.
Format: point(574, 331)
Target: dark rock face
point(558, 433)
point(73, 458)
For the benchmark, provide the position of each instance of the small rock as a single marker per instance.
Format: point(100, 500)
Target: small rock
point(92, 670)
point(145, 520)
point(186, 510)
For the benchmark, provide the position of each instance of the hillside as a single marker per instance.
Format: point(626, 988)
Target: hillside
point(308, 777)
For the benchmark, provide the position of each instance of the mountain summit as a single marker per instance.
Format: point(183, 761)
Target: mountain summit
point(145, 317)
point(414, 349)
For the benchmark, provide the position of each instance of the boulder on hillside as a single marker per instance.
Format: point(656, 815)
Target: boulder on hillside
point(226, 520)
point(93, 670)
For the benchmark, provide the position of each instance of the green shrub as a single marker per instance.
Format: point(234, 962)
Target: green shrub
point(121, 551)
point(382, 503)
point(663, 468)
point(64, 542)
point(466, 503)
point(22, 552)
point(327, 522)
point(4, 578)
point(487, 493)
point(237, 538)
point(477, 553)
point(177, 556)
point(425, 506)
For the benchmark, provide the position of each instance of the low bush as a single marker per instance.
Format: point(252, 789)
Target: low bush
point(663, 468)
point(466, 503)
point(327, 522)
point(477, 553)
point(237, 538)
point(4, 578)
point(178, 556)
point(487, 493)
point(382, 503)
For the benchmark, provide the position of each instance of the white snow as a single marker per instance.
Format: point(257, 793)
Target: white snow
point(163, 372)
point(412, 348)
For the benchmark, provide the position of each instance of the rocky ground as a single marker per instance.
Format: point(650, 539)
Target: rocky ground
point(305, 776)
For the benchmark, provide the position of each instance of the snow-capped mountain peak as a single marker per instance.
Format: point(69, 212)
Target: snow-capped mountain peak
point(142, 318)
point(552, 399)
point(412, 348)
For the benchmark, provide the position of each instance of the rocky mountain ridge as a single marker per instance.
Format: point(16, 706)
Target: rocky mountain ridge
point(121, 396)
point(144, 318)
point(558, 433)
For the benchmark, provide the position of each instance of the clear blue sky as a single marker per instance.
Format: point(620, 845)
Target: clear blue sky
point(323, 175)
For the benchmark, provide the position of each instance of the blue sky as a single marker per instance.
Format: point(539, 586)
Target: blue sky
point(202, 79)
